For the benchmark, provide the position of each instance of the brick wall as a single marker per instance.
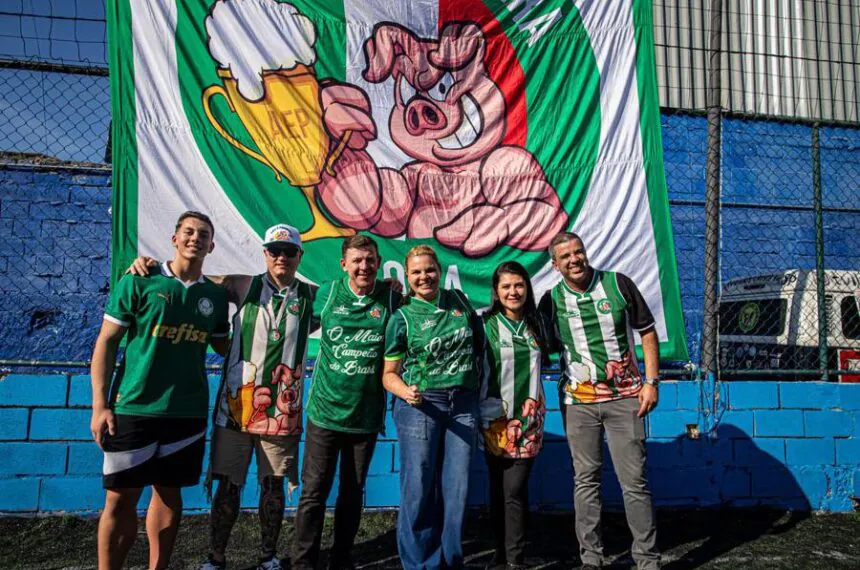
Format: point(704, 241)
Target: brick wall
point(785, 444)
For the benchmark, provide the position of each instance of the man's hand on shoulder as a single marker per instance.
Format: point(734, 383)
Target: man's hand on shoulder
point(141, 266)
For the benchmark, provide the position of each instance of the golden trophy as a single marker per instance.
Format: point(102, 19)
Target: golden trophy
point(286, 125)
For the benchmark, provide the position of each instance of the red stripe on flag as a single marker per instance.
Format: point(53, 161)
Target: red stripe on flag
point(501, 61)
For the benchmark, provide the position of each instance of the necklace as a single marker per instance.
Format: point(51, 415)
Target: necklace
point(275, 321)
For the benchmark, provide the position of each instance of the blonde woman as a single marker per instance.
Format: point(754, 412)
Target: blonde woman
point(432, 358)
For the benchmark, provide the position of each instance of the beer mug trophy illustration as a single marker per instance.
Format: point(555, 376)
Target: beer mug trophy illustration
point(283, 114)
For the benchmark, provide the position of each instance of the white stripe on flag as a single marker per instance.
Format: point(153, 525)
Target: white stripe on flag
point(618, 193)
point(172, 174)
point(361, 16)
point(620, 163)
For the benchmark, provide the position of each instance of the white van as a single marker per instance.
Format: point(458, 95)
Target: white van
point(770, 322)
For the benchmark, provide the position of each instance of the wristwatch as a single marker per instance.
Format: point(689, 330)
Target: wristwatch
point(655, 381)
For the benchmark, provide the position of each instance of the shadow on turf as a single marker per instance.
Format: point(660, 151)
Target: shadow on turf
point(719, 473)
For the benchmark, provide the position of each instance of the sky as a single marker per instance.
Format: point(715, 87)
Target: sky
point(61, 115)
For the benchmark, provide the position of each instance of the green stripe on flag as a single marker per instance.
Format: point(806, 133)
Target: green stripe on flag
point(652, 149)
point(123, 137)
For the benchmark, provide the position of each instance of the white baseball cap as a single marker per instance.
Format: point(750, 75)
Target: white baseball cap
point(282, 234)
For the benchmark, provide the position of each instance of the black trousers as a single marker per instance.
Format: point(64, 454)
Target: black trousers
point(323, 447)
point(509, 505)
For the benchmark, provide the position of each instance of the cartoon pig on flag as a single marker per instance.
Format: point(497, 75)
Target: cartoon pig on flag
point(464, 188)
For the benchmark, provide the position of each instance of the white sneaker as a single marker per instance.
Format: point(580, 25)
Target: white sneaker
point(271, 564)
point(212, 565)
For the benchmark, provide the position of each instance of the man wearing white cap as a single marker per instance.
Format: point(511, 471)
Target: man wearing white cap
point(259, 402)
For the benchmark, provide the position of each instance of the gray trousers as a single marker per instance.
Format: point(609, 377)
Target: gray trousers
point(585, 425)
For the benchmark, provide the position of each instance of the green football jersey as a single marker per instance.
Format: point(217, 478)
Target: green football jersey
point(346, 391)
point(439, 342)
point(513, 405)
point(595, 330)
point(170, 325)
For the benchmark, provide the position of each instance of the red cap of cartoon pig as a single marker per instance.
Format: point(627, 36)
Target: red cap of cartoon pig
point(447, 110)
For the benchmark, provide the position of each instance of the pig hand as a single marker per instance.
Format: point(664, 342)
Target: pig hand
point(476, 231)
point(262, 397)
point(347, 108)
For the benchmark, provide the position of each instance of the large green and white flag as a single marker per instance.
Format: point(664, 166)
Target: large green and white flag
point(482, 128)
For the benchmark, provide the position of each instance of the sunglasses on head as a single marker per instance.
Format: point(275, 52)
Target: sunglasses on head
point(285, 251)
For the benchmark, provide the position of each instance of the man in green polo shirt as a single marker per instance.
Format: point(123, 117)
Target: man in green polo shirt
point(593, 314)
point(152, 423)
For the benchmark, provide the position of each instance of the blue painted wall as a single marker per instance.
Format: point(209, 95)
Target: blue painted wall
point(788, 444)
point(54, 262)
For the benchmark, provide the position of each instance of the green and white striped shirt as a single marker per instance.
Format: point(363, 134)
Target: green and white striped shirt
point(513, 404)
point(595, 331)
point(261, 385)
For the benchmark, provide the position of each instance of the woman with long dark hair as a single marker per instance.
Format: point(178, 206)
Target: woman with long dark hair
point(512, 406)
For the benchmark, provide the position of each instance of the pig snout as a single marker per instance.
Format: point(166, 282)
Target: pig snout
point(422, 115)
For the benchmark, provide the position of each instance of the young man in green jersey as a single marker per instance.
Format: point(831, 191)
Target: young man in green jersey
point(259, 404)
point(593, 314)
point(346, 404)
point(152, 423)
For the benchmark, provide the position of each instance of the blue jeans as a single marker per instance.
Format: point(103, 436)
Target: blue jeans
point(436, 439)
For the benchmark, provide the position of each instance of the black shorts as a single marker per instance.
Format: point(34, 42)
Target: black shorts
point(146, 450)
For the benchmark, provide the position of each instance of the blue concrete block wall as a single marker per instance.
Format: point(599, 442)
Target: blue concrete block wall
point(804, 457)
point(54, 262)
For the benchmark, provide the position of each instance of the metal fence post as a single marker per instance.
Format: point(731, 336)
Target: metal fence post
point(712, 193)
point(823, 324)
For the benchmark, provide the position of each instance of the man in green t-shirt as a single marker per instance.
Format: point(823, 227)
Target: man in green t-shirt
point(593, 314)
point(152, 423)
point(346, 404)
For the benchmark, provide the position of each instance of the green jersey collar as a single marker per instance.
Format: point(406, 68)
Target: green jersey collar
point(165, 270)
point(359, 298)
point(278, 291)
point(434, 303)
point(595, 276)
point(516, 327)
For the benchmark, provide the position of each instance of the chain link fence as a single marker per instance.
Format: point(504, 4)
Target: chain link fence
point(55, 101)
point(766, 239)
